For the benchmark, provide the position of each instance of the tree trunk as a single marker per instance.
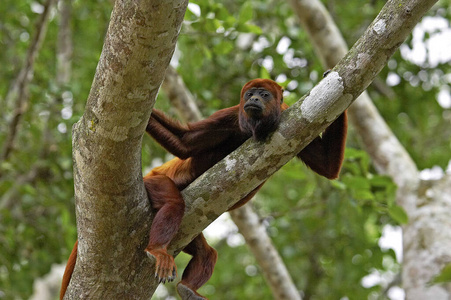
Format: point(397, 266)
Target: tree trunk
point(426, 241)
point(113, 212)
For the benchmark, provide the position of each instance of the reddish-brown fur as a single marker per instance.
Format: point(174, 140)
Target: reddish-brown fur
point(197, 147)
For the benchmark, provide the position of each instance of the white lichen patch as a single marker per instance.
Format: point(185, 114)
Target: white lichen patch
point(230, 163)
point(380, 26)
point(328, 91)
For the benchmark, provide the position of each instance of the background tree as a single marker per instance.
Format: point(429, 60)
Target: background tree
point(334, 240)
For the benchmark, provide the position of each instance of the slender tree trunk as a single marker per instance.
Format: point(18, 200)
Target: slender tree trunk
point(180, 97)
point(19, 93)
point(267, 256)
point(64, 43)
point(426, 241)
point(19, 90)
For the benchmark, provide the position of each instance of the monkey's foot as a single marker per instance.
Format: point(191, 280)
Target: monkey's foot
point(188, 294)
point(165, 268)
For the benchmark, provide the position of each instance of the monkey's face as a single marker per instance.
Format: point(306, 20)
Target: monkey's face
point(255, 102)
point(260, 107)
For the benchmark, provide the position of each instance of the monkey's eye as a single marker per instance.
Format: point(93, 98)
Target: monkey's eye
point(265, 94)
point(248, 94)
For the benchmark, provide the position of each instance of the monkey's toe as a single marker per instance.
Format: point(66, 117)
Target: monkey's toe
point(165, 268)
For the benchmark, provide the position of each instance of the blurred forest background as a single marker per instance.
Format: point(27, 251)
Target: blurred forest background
point(327, 232)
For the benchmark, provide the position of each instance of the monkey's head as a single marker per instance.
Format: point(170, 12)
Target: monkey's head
point(260, 107)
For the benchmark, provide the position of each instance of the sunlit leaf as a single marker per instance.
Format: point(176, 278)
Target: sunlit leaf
point(398, 214)
point(246, 12)
point(444, 276)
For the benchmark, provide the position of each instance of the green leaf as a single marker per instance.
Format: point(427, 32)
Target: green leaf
point(189, 16)
point(207, 53)
point(223, 48)
point(251, 28)
point(444, 276)
point(338, 185)
point(246, 12)
point(363, 195)
point(381, 181)
point(357, 182)
point(264, 73)
point(398, 214)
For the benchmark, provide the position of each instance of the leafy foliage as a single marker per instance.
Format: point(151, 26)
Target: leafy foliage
point(327, 232)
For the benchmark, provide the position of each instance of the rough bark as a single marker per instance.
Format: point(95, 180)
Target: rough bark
point(378, 139)
point(426, 202)
point(247, 221)
point(112, 209)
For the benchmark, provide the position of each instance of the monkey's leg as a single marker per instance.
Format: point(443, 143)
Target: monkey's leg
point(170, 206)
point(199, 269)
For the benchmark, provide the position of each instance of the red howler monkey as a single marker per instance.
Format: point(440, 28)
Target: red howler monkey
point(197, 147)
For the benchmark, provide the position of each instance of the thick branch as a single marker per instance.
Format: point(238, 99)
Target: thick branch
point(425, 243)
point(387, 153)
point(113, 212)
point(240, 172)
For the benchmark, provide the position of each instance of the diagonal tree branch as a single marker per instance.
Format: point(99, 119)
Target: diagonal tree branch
point(428, 211)
point(378, 139)
point(240, 172)
point(428, 215)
